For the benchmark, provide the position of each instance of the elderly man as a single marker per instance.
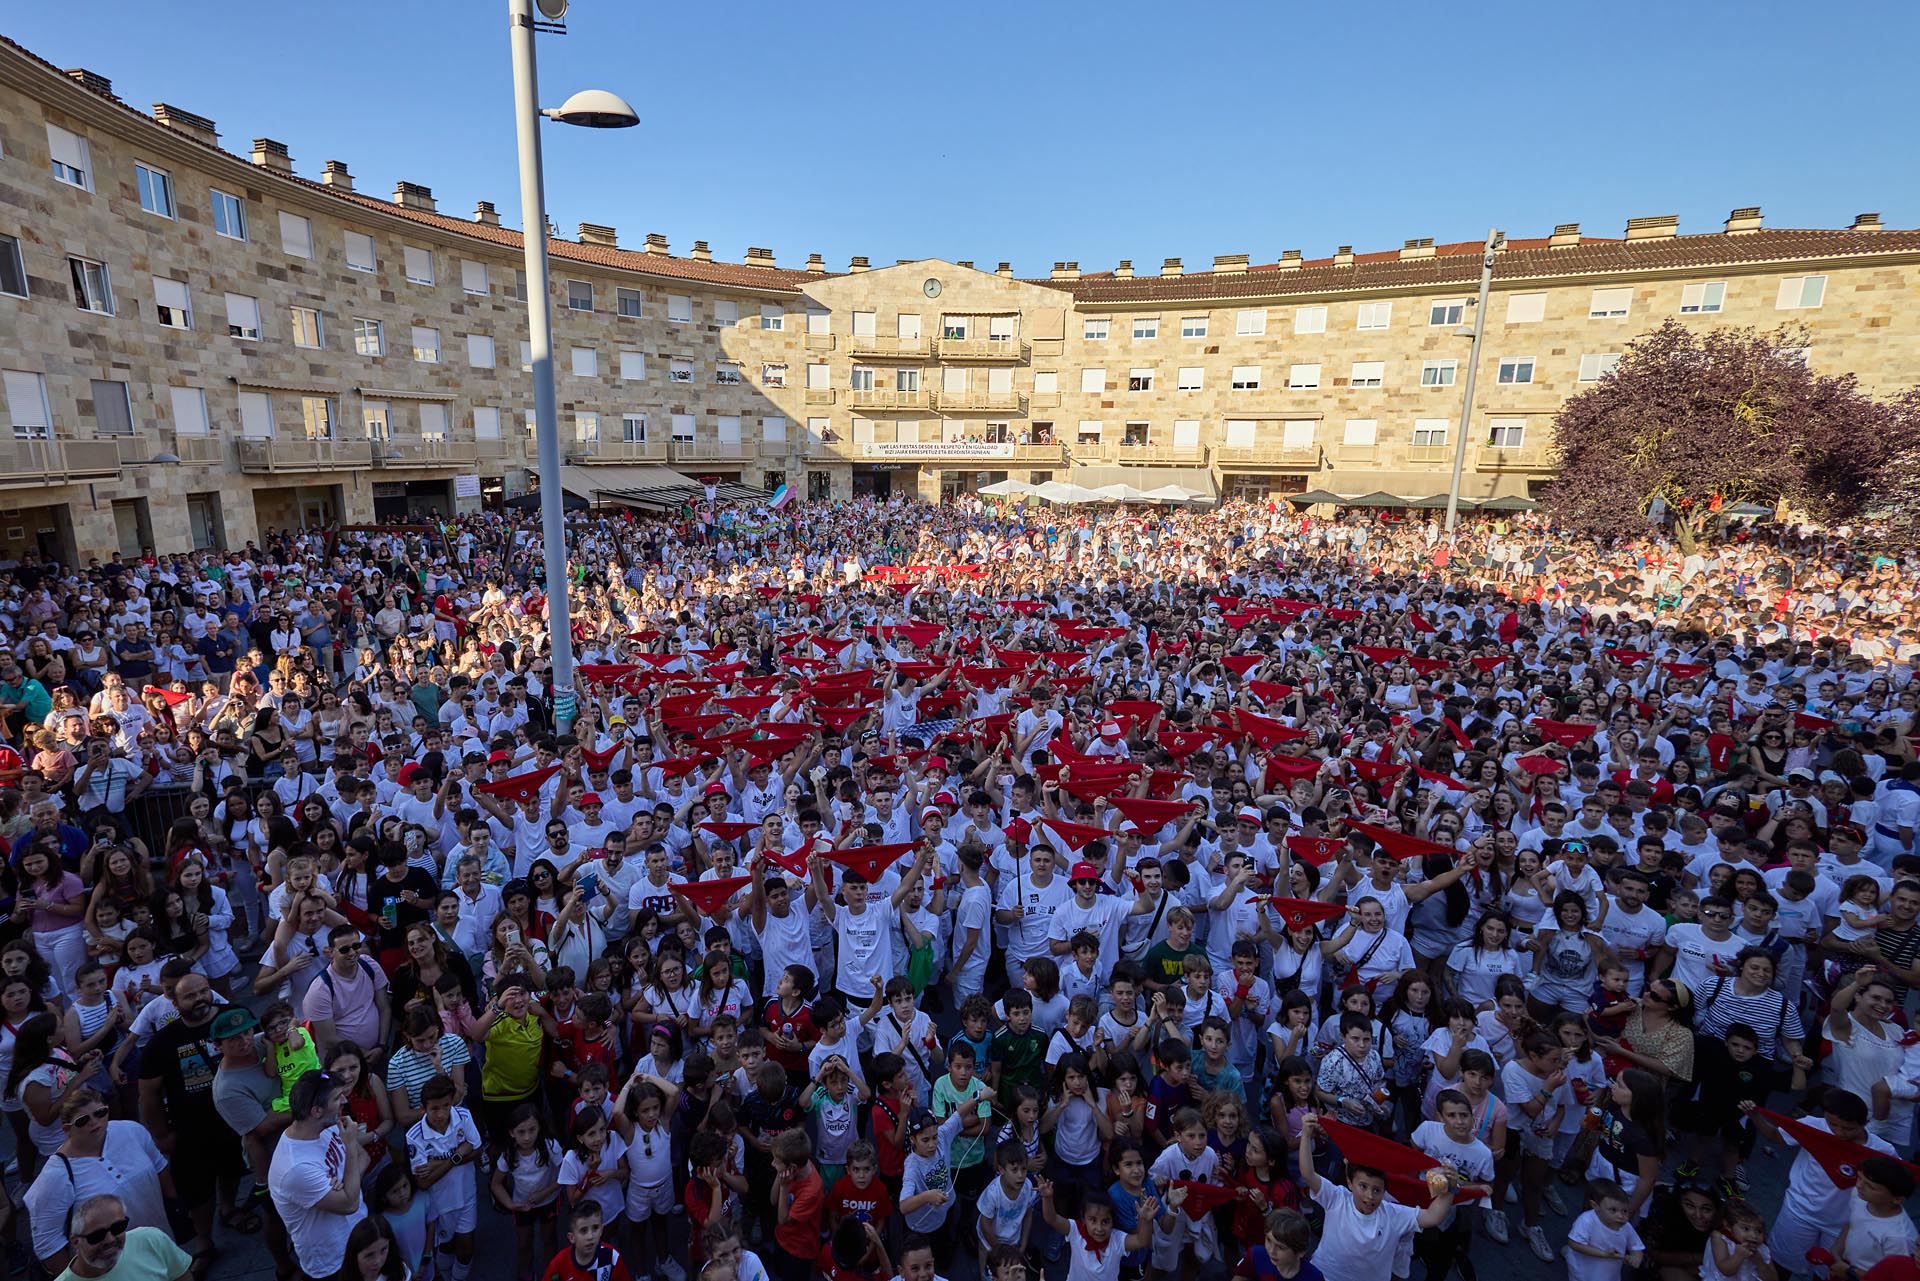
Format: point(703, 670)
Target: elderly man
point(107, 1248)
point(98, 1156)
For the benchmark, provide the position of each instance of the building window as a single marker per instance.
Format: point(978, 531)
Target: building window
point(479, 351)
point(773, 431)
point(189, 410)
point(1309, 320)
point(27, 404)
point(112, 408)
point(955, 327)
point(1191, 378)
point(1594, 368)
point(1094, 329)
point(1303, 378)
point(1146, 326)
point(172, 306)
point(1093, 381)
point(256, 415)
point(1429, 433)
point(1515, 370)
point(419, 265)
point(906, 380)
point(1246, 378)
point(473, 277)
point(579, 295)
point(1001, 328)
point(92, 288)
point(156, 189)
point(229, 214)
point(1250, 324)
point(1361, 433)
point(376, 419)
point(683, 429)
point(1046, 382)
point(296, 236)
point(433, 421)
point(526, 356)
point(727, 373)
point(819, 377)
point(1298, 433)
point(360, 255)
point(426, 345)
point(1801, 292)
point(631, 302)
point(726, 313)
point(773, 375)
point(1140, 380)
point(316, 415)
point(1609, 304)
point(1374, 315)
point(1438, 373)
point(584, 362)
point(369, 337)
point(864, 324)
point(633, 428)
point(679, 371)
point(773, 318)
point(1193, 327)
point(1703, 298)
point(13, 268)
point(861, 379)
point(486, 422)
point(1447, 311)
point(1506, 433)
point(1526, 309)
point(306, 326)
point(243, 317)
point(633, 366)
point(679, 309)
point(1367, 374)
point(586, 428)
point(72, 160)
point(519, 286)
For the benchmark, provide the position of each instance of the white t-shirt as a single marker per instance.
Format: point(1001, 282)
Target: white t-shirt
point(866, 946)
point(1360, 1245)
point(1694, 954)
point(303, 1172)
point(1871, 1238)
point(1589, 1231)
point(1027, 937)
point(609, 1194)
point(1628, 933)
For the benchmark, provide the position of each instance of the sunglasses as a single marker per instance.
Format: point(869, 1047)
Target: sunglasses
point(99, 1236)
point(348, 949)
point(94, 1117)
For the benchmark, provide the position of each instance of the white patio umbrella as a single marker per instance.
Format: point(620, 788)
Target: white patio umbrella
point(1006, 488)
point(1118, 493)
point(1060, 491)
point(1173, 494)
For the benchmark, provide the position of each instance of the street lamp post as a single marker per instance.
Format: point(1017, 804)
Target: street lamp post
point(1473, 368)
point(594, 109)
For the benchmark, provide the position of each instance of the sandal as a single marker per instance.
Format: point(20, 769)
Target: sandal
point(245, 1221)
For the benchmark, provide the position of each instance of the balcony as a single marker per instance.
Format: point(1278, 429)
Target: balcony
point(492, 450)
point(1529, 457)
point(423, 453)
point(888, 401)
point(1356, 455)
point(588, 452)
point(1151, 454)
point(820, 342)
point(819, 395)
point(207, 451)
point(50, 461)
point(712, 451)
point(274, 456)
point(873, 347)
point(1430, 455)
point(977, 453)
point(980, 402)
point(1285, 457)
point(1010, 349)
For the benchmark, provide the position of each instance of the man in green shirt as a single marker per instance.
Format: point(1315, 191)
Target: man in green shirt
point(105, 1249)
point(1166, 961)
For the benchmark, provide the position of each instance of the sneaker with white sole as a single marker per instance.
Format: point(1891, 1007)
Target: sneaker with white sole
point(1537, 1239)
point(1498, 1230)
point(1551, 1196)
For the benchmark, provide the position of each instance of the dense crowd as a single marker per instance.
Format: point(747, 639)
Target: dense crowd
point(974, 891)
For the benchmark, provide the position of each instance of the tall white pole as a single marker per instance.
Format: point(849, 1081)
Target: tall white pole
point(1473, 368)
point(546, 427)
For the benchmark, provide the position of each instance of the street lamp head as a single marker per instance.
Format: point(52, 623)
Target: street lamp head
point(595, 109)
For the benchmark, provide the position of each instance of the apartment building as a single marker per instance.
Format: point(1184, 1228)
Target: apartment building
point(198, 345)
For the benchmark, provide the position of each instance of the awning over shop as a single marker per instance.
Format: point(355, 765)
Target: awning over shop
point(648, 486)
point(1197, 479)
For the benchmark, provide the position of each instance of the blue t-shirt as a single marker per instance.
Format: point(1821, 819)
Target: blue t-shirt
point(1126, 1217)
point(1257, 1265)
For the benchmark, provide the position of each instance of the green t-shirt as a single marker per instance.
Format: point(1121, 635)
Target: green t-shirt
point(947, 1100)
point(149, 1253)
point(512, 1066)
point(1164, 965)
point(1023, 1061)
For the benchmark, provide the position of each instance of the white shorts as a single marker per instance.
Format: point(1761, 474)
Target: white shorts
point(644, 1201)
point(452, 1220)
point(1531, 1144)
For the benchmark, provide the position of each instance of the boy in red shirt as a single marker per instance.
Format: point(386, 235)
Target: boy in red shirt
point(892, 1101)
point(798, 1203)
point(860, 1194)
point(586, 1258)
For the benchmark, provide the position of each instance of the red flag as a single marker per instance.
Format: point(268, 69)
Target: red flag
point(1076, 836)
point(1241, 664)
point(841, 718)
point(1447, 781)
point(1685, 671)
point(726, 671)
point(521, 788)
point(1539, 764)
point(1181, 743)
point(598, 760)
point(1376, 771)
point(173, 697)
point(1299, 913)
point(1317, 850)
point(1226, 602)
point(1487, 662)
point(1406, 1168)
point(1140, 709)
point(1459, 735)
point(1265, 729)
point(750, 705)
point(605, 673)
point(709, 896)
point(696, 723)
point(1565, 733)
point(871, 861)
point(1203, 1199)
point(1838, 1157)
point(727, 831)
point(1428, 666)
point(1282, 765)
point(1270, 691)
point(1382, 654)
point(1400, 844)
point(1150, 814)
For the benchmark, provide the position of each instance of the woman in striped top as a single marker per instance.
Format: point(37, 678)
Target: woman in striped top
point(1749, 997)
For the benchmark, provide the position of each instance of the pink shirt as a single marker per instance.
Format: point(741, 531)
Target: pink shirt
point(67, 890)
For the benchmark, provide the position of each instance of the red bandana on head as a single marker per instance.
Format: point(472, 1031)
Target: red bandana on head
point(871, 861)
point(727, 831)
point(1299, 913)
point(1076, 836)
point(710, 896)
point(1317, 850)
point(1399, 844)
point(521, 788)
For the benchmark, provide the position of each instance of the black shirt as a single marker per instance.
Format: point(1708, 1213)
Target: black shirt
point(184, 1059)
point(394, 913)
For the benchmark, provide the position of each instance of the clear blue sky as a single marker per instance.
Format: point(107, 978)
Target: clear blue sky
point(1047, 130)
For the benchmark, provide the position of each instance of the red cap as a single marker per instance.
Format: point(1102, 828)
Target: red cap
point(407, 774)
point(944, 798)
point(1111, 729)
point(1083, 872)
point(716, 788)
point(591, 798)
point(1020, 830)
point(1250, 816)
point(932, 811)
point(936, 762)
point(499, 758)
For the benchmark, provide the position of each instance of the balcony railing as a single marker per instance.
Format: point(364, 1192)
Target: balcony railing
point(1290, 456)
point(1527, 457)
point(979, 402)
point(615, 451)
point(423, 453)
point(492, 449)
point(1429, 455)
point(819, 395)
point(1152, 454)
point(960, 453)
point(888, 400)
point(205, 450)
point(52, 461)
point(304, 455)
point(711, 451)
point(982, 349)
point(873, 347)
point(1356, 455)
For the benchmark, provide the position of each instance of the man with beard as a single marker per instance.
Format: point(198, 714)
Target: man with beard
point(105, 1247)
point(176, 1104)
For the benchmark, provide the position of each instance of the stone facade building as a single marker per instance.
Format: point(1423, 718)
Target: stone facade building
point(198, 346)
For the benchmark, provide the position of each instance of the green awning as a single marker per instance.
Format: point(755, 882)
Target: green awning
point(1313, 496)
point(1439, 503)
point(1510, 503)
point(1378, 498)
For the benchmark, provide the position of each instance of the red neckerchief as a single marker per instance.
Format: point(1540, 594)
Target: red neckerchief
point(1097, 1251)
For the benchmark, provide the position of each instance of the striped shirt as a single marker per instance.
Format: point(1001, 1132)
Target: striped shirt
point(409, 1070)
point(1768, 1013)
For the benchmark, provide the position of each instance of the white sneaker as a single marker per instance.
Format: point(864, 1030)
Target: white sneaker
point(1513, 1194)
point(1498, 1231)
point(1537, 1238)
point(1551, 1196)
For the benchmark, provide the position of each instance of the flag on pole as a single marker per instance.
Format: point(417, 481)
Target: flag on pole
point(781, 497)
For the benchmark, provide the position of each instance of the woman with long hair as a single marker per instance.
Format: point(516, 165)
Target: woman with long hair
point(210, 916)
point(367, 1100)
point(427, 959)
point(1633, 1135)
point(54, 900)
point(42, 1077)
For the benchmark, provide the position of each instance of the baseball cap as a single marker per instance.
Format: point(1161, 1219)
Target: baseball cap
point(1800, 772)
point(717, 788)
point(499, 758)
point(232, 1022)
point(591, 798)
point(407, 774)
point(1250, 816)
point(1020, 831)
point(920, 1120)
point(1083, 871)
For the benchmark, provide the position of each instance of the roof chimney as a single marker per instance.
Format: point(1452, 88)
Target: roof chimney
point(701, 252)
point(757, 257)
point(1417, 249)
point(1343, 256)
point(186, 122)
point(269, 154)
point(1229, 264)
point(485, 214)
point(816, 263)
point(411, 195)
point(856, 265)
point(93, 80)
point(1125, 270)
point(656, 243)
point(1004, 270)
point(1066, 271)
point(593, 233)
point(1866, 222)
point(1565, 236)
point(1742, 222)
point(334, 174)
point(964, 262)
point(1290, 260)
point(1663, 227)
point(1171, 267)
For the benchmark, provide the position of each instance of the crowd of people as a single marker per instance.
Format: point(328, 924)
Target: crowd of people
point(965, 890)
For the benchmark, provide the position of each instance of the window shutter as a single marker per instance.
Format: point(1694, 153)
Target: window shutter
point(1239, 433)
point(256, 415)
point(27, 403)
